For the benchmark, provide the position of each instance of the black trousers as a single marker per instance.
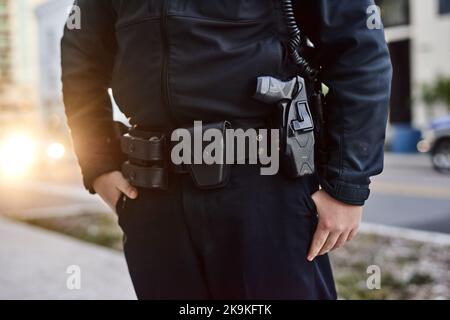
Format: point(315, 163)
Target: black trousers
point(248, 240)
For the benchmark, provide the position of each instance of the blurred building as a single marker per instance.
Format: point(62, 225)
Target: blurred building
point(419, 42)
point(51, 17)
point(418, 33)
point(18, 53)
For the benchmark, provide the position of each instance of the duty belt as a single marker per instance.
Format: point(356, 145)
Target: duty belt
point(149, 163)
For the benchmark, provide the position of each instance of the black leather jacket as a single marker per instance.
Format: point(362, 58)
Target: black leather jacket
point(170, 62)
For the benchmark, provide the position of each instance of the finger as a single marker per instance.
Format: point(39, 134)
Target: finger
point(341, 241)
point(320, 236)
point(123, 185)
point(352, 235)
point(330, 242)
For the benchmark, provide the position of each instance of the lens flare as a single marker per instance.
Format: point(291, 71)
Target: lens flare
point(17, 154)
point(56, 151)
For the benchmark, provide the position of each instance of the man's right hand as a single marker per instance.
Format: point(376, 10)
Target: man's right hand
point(110, 186)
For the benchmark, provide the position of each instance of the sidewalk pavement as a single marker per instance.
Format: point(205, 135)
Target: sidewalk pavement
point(34, 264)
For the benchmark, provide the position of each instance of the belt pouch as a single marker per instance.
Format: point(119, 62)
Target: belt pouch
point(209, 176)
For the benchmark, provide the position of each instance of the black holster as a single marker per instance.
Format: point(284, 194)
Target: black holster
point(215, 175)
point(149, 161)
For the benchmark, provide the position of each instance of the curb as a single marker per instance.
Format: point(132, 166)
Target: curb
point(60, 211)
point(437, 238)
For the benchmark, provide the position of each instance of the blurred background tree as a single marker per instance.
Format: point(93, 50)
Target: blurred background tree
point(437, 92)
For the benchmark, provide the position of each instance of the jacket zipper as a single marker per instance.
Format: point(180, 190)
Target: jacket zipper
point(164, 38)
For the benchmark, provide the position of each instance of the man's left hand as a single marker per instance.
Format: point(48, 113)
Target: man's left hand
point(338, 224)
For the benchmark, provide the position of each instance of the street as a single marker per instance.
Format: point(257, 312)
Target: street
point(408, 194)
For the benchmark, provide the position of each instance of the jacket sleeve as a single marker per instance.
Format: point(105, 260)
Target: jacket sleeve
point(87, 55)
point(357, 70)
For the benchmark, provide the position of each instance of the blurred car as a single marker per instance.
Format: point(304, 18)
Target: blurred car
point(437, 142)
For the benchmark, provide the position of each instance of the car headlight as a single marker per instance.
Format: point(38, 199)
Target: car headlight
point(426, 143)
point(423, 146)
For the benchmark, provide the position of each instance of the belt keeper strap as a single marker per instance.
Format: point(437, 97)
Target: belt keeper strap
point(146, 177)
point(146, 149)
